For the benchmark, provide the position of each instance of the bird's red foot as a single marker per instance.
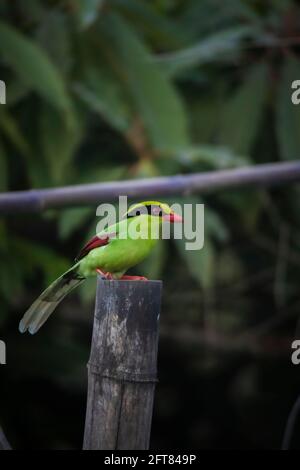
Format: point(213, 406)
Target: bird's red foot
point(133, 278)
point(104, 274)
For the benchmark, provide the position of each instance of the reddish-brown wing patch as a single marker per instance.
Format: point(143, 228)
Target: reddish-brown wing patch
point(95, 242)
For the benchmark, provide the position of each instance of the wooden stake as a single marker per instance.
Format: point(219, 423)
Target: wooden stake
point(122, 369)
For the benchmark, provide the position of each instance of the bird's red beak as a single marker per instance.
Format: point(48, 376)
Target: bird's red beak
point(172, 218)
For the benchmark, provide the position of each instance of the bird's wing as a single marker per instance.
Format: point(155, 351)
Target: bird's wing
point(95, 242)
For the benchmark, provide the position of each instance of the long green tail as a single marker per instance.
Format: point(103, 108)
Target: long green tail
point(47, 302)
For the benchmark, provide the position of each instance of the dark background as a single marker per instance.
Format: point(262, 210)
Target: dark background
point(100, 91)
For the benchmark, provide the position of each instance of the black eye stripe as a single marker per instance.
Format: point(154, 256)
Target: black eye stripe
point(150, 210)
point(137, 211)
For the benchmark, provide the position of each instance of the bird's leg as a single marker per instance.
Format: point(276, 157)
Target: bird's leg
point(104, 274)
point(109, 276)
point(133, 278)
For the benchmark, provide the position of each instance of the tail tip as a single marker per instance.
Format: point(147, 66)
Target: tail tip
point(32, 330)
point(22, 327)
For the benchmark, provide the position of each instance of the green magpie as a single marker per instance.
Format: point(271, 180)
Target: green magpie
point(110, 253)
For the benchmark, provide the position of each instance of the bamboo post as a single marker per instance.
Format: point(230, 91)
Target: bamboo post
point(122, 369)
point(4, 444)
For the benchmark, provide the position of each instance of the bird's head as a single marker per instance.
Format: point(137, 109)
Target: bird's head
point(154, 209)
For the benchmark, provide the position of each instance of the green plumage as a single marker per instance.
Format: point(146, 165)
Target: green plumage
point(122, 252)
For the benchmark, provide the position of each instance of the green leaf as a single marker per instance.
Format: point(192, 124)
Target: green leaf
point(8, 289)
point(287, 113)
point(72, 219)
point(215, 227)
point(243, 112)
point(10, 273)
point(146, 169)
point(18, 90)
point(217, 157)
point(102, 93)
point(159, 29)
point(32, 64)
point(204, 114)
point(3, 236)
point(10, 128)
point(101, 173)
point(35, 256)
point(32, 11)
point(210, 49)
point(56, 24)
point(199, 262)
point(152, 267)
point(87, 11)
point(236, 201)
point(155, 97)
point(229, 267)
point(206, 16)
point(3, 169)
point(59, 141)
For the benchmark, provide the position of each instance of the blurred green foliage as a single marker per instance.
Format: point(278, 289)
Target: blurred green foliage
point(104, 90)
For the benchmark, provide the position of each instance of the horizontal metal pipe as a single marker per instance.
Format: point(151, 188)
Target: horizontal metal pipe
point(93, 194)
